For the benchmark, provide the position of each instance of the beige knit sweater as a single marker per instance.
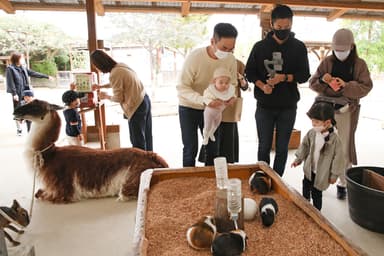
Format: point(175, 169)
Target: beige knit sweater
point(127, 88)
point(196, 75)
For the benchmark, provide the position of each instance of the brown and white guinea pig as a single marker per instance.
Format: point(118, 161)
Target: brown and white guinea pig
point(268, 209)
point(201, 234)
point(232, 243)
point(260, 182)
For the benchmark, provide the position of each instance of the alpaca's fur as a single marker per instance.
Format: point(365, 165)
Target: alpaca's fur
point(70, 173)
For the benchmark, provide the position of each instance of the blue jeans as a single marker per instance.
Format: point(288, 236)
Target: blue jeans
point(191, 121)
point(140, 126)
point(283, 121)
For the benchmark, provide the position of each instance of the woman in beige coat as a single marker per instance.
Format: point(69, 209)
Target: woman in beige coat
point(343, 79)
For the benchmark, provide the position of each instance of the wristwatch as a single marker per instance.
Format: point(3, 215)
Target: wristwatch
point(286, 78)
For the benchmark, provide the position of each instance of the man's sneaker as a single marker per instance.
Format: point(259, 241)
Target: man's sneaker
point(341, 192)
point(19, 132)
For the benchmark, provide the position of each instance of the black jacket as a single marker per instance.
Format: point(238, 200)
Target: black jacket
point(295, 61)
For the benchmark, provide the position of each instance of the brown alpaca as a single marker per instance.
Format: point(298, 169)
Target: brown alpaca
point(70, 173)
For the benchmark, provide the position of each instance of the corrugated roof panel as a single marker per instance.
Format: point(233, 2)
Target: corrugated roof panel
point(168, 4)
point(196, 7)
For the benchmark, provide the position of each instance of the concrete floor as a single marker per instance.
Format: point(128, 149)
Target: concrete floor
point(105, 227)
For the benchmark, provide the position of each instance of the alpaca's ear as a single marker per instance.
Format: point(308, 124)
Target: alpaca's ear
point(15, 204)
point(54, 107)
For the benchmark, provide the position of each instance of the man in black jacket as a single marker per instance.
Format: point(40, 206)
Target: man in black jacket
point(276, 65)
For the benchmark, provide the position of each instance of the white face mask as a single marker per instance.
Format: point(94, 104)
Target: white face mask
point(221, 54)
point(342, 55)
point(319, 128)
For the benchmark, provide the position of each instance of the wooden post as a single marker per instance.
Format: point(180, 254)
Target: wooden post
point(265, 22)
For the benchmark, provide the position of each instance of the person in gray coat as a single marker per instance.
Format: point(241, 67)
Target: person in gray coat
point(17, 81)
point(322, 153)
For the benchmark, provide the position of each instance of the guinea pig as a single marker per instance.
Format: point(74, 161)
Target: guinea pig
point(233, 243)
point(201, 234)
point(260, 182)
point(268, 209)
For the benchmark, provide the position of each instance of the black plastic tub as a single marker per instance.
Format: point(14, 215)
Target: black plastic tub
point(366, 205)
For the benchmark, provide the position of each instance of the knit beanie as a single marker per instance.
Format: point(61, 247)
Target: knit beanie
point(221, 72)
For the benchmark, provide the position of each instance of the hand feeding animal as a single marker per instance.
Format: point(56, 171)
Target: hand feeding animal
point(72, 173)
point(13, 216)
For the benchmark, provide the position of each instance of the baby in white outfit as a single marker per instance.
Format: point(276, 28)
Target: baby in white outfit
point(220, 89)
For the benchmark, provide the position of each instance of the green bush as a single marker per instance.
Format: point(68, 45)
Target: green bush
point(62, 62)
point(47, 67)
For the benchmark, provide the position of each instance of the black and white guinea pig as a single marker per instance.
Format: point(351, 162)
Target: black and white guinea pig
point(201, 234)
point(232, 243)
point(268, 209)
point(260, 182)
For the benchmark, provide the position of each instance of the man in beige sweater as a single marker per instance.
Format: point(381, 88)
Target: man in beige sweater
point(195, 77)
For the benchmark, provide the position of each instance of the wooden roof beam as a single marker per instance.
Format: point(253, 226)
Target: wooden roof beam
point(7, 7)
point(185, 8)
point(99, 8)
point(333, 4)
point(336, 14)
point(267, 8)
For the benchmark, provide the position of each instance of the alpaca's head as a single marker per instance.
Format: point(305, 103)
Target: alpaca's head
point(46, 122)
point(35, 111)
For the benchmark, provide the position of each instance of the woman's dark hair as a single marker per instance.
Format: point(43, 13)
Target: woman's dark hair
point(281, 12)
point(15, 58)
point(102, 61)
point(225, 30)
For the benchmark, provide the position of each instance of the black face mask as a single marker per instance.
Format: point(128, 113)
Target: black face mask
point(282, 34)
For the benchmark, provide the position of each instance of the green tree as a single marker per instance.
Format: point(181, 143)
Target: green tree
point(40, 42)
point(157, 31)
point(369, 38)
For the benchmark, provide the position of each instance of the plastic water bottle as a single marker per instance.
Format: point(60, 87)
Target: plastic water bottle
point(221, 172)
point(234, 198)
